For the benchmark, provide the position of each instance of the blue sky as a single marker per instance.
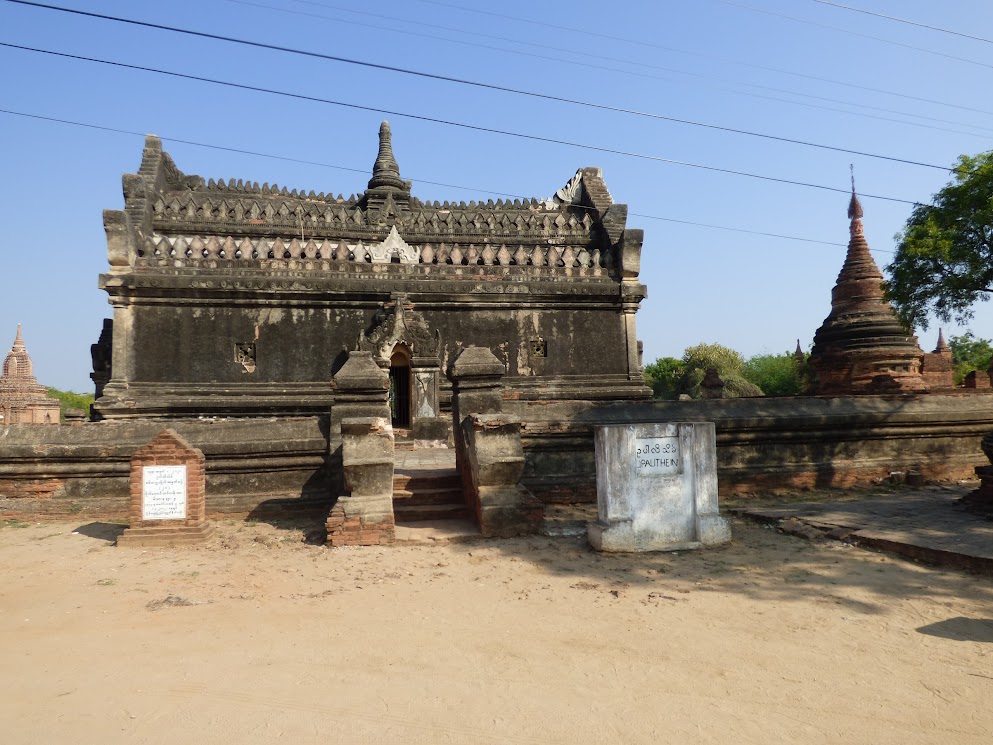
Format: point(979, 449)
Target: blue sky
point(714, 61)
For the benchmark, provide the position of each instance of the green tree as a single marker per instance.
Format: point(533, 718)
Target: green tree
point(776, 374)
point(664, 376)
point(970, 353)
point(730, 365)
point(69, 400)
point(944, 258)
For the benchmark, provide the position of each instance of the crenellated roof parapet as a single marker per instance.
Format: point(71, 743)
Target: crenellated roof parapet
point(197, 222)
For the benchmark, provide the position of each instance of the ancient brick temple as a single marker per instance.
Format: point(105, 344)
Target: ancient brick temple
point(22, 400)
point(937, 367)
point(862, 346)
point(236, 299)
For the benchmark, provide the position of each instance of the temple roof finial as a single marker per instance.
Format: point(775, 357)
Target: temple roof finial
point(386, 170)
point(18, 340)
point(942, 344)
point(854, 207)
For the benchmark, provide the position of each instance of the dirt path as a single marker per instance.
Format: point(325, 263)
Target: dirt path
point(261, 638)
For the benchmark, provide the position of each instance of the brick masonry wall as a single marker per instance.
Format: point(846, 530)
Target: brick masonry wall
point(357, 531)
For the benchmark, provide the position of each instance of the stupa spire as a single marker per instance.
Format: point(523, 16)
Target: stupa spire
point(862, 346)
point(386, 170)
point(855, 212)
point(18, 341)
point(942, 344)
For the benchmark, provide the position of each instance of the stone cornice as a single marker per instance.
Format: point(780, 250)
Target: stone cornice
point(320, 288)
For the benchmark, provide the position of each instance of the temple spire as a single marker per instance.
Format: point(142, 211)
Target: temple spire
point(18, 341)
point(942, 344)
point(862, 346)
point(855, 212)
point(386, 170)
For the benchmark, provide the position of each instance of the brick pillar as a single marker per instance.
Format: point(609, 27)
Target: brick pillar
point(168, 497)
point(361, 455)
point(488, 448)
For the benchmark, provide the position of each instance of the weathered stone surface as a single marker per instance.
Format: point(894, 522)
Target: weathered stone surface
point(361, 447)
point(22, 400)
point(489, 454)
point(862, 346)
point(363, 513)
point(657, 488)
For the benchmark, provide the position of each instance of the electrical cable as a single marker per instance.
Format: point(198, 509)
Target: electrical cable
point(447, 122)
point(854, 33)
point(695, 53)
point(255, 153)
point(475, 84)
point(586, 56)
point(904, 20)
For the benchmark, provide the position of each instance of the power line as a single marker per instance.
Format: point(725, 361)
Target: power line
point(255, 153)
point(586, 56)
point(694, 53)
point(447, 122)
point(904, 20)
point(854, 33)
point(476, 84)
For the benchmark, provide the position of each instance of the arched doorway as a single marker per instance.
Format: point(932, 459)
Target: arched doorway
point(400, 388)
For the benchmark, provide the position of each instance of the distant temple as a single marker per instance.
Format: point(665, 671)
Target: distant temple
point(936, 367)
point(235, 299)
point(22, 400)
point(862, 347)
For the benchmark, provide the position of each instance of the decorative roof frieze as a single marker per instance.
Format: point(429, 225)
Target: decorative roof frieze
point(234, 220)
point(212, 252)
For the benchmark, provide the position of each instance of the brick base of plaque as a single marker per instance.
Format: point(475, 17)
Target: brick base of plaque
point(168, 504)
point(358, 530)
point(178, 536)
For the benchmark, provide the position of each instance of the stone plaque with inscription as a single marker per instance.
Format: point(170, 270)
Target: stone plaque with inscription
point(168, 501)
point(657, 488)
point(163, 492)
point(657, 455)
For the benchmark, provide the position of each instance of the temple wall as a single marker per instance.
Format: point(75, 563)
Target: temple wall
point(771, 444)
point(186, 357)
point(196, 344)
point(257, 467)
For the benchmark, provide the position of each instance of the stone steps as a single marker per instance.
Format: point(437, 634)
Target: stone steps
point(417, 513)
point(428, 494)
point(422, 497)
point(402, 439)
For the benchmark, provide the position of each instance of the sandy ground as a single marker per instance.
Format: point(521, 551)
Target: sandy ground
point(261, 637)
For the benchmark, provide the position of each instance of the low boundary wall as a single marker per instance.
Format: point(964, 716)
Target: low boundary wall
point(256, 466)
point(770, 444)
point(267, 466)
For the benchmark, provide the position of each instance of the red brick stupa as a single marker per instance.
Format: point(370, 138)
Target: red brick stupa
point(862, 347)
point(22, 400)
